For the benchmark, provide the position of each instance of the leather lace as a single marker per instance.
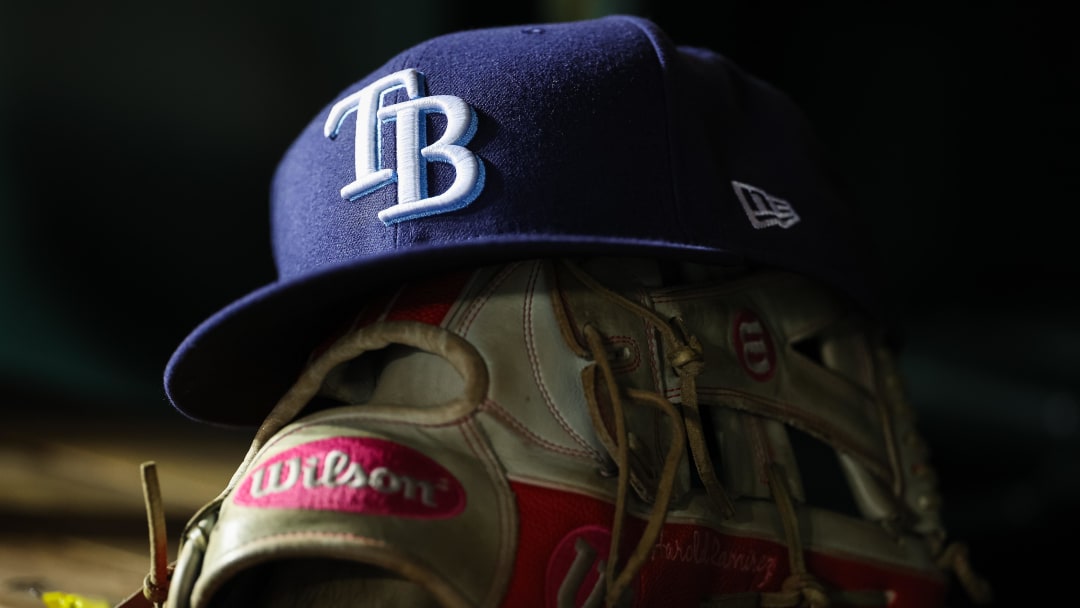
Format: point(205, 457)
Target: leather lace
point(686, 356)
point(156, 583)
point(619, 579)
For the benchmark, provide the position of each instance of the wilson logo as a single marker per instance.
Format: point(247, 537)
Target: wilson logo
point(754, 346)
point(356, 475)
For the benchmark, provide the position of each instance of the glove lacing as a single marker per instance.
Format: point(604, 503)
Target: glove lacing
point(156, 582)
point(620, 580)
point(686, 356)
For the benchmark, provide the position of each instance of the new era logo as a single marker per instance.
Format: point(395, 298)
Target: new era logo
point(763, 209)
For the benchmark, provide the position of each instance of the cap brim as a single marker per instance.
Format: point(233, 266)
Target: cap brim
point(232, 368)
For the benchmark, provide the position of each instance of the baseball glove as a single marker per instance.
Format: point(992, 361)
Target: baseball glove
point(584, 434)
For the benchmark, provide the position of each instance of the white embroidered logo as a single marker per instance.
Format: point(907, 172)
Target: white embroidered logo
point(413, 151)
point(763, 209)
point(338, 469)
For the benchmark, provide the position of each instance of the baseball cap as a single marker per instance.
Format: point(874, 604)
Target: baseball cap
point(593, 137)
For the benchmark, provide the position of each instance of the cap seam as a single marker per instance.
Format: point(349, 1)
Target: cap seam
point(663, 63)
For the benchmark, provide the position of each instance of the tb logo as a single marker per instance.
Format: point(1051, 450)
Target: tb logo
point(413, 150)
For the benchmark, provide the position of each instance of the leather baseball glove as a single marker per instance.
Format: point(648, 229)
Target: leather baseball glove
point(582, 434)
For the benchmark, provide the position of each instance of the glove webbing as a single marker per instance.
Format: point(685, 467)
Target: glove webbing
point(686, 357)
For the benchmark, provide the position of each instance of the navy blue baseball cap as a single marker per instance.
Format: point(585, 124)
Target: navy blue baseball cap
point(595, 137)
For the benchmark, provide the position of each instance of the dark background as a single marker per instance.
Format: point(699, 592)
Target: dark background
point(137, 141)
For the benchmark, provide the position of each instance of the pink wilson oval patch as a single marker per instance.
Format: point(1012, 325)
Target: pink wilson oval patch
point(354, 475)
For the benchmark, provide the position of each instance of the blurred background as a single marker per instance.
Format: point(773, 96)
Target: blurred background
point(137, 142)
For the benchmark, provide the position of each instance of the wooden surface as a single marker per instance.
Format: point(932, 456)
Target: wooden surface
point(72, 516)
